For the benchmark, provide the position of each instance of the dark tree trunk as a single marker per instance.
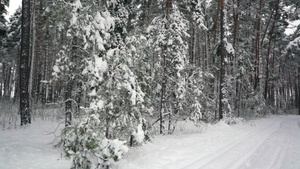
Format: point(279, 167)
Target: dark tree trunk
point(257, 45)
point(217, 21)
point(69, 88)
point(68, 104)
point(223, 55)
point(299, 89)
point(17, 78)
point(164, 65)
point(269, 51)
point(7, 79)
point(24, 63)
point(235, 36)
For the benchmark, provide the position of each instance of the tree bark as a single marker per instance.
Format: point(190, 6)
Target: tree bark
point(217, 21)
point(235, 36)
point(69, 87)
point(223, 55)
point(7, 79)
point(68, 102)
point(257, 45)
point(269, 51)
point(24, 63)
point(299, 88)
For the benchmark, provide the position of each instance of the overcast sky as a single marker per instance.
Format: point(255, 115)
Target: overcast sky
point(13, 5)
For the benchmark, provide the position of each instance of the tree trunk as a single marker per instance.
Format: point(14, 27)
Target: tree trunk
point(223, 55)
point(24, 63)
point(235, 36)
point(217, 21)
point(17, 76)
point(68, 102)
point(7, 79)
point(269, 51)
point(33, 56)
point(37, 72)
point(164, 65)
point(257, 45)
point(69, 88)
point(299, 88)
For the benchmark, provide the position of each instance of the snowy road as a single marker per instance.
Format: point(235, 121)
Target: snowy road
point(270, 143)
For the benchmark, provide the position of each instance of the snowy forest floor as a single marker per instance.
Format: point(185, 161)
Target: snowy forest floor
point(266, 143)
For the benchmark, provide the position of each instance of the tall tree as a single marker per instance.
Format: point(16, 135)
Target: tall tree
point(24, 63)
point(222, 55)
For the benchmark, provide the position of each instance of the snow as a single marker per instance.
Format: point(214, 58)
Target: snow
point(96, 105)
point(292, 27)
point(229, 47)
point(139, 135)
point(56, 69)
point(31, 147)
point(77, 4)
point(266, 143)
point(262, 144)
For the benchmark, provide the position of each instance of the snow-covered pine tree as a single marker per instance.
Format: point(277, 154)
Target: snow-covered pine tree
point(168, 34)
point(12, 46)
point(3, 30)
point(3, 10)
point(199, 95)
point(291, 61)
point(106, 61)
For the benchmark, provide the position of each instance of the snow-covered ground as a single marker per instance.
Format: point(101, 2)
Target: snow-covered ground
point(267, 143)
point(31, 147)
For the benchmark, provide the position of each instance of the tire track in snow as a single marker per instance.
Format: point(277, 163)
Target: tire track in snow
point(272, 153)
point(236, 153)
point(281, 150)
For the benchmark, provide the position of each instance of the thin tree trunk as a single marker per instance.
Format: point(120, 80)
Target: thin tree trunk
point(33, 58)
point(164, 65)
point(7, 80)
point(269, 51)
point(68, 102)
point(257, 45)
point(69, 89)
point(235, 36)
point(17, 78)
point(223, 55)
point(299, 87)
point(217, 21)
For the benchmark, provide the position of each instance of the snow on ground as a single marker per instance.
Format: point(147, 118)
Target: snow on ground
point(31, 147)
point(267, 143)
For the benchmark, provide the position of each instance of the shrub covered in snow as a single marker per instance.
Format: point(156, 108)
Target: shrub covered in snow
point(139, 135)
point(233, 120)
point(88, 147)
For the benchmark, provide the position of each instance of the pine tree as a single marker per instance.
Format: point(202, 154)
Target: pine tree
point(24, 63)
point(168, 34)
point(3, 5)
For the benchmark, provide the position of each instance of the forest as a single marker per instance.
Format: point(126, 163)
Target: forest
point(121, 71)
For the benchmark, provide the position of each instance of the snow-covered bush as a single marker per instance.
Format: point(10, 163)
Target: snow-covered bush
point(140, 135)
point(88, 147)
point(233, 120)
